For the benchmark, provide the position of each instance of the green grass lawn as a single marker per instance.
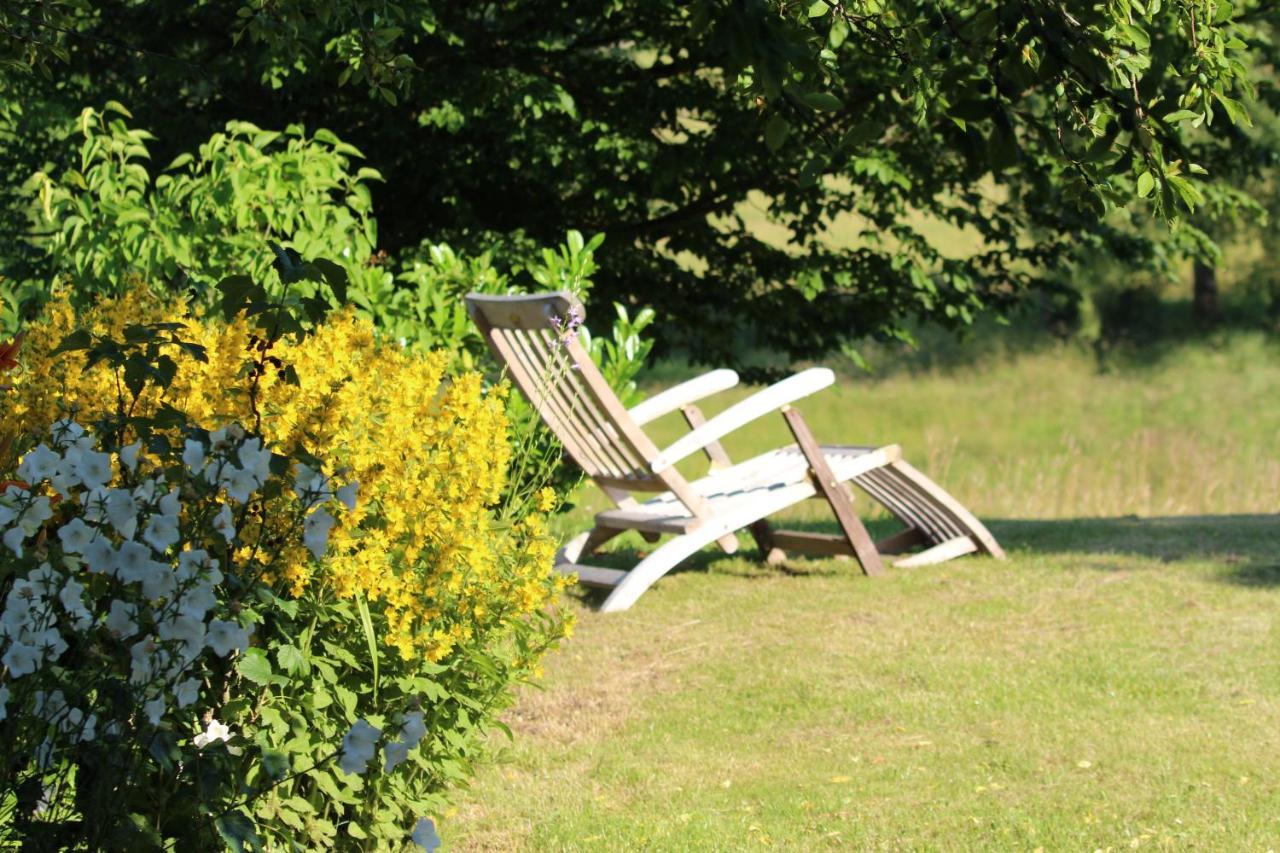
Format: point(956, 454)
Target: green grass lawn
point(1114, 684)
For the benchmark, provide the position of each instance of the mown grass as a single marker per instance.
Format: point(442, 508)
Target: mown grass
point(1114, 684)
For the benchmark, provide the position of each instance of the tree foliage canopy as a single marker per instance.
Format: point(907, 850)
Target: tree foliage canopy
point(675, 128)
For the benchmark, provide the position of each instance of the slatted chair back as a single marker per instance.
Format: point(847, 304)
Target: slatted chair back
point(535, 338)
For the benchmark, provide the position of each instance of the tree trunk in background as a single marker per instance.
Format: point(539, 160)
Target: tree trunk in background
point(1204, 296)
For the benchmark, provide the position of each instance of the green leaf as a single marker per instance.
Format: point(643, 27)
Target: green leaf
point(861, 134)
point(819, 8)
point(1146, 183)
point(366, 621)
point(77, 340)
point(255, 666)
point(1235, 110)
point(776, 131)
point(822, 101)
point(291, 660)
point(1180, 115)
point(237, 291)
point(236, 829)
point(276, 763)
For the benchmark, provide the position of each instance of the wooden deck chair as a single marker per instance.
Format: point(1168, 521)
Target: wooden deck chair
point(534, 339)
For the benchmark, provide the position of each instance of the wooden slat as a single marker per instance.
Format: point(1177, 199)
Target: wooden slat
point(558, 374)
point(813, 543)
point(939, 553)
point(940, 517)
point(525, 370)
point(682, 395)
point(593, 575)
point(901, 542)
point(641, 519)
point(873, 484)
point(719, 458)
point(528, 311)
point(863, 548)
point(591, 419)
point(632, 484)
point(975, 528)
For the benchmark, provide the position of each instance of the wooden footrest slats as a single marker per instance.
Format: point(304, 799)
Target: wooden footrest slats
point(939, 553)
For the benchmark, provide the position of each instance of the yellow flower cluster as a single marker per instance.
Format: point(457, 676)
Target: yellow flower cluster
point(430, 454)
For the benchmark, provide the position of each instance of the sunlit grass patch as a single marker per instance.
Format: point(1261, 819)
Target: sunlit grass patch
point(1113, 684)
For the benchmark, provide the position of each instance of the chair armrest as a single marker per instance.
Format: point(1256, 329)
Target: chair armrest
point(682, 395)
point(739, 414)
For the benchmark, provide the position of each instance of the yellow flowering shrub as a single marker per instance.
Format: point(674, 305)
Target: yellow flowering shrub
point(429, 451)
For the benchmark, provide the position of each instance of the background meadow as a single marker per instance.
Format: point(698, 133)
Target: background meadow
point(1112, 685)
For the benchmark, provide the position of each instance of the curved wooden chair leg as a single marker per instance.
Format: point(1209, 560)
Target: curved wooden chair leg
point(654, 566)
point(585, 544)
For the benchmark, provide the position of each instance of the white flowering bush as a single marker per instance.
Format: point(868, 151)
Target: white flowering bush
point(121, 625)
point(160, 687)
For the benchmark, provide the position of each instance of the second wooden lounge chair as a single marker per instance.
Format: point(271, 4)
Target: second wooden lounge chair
point(534, 336)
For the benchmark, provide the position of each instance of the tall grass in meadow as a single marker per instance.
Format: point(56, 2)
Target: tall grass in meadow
point(1190, 430)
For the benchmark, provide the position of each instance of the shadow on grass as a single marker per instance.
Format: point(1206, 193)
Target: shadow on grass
point(1247, 545)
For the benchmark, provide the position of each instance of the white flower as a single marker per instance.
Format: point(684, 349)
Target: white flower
point(120, 620)
point(187, 693)
point(36, 514)
point(49, 706)
point(189, 563)
point(224, 524)
point(413, 729)
point(230, 433)
point(159, 581)
point(133, 562)
point(50, 643)
point(16, 620)
point(75, 536)
point(66, 431)
point(239, 483)
point(145, 491)
point(64, 478)
point(358, 747)
point(147, 660)
point(315, 532)
point(95, 503)
point(306, 481)
point(129, 455)
point(4, 702)
point(44, 754)
point(90, 730)
point(154, 710)
point(255, 459)
point(198, 600)
point(395, 752)
point(72, 598)
point(193, 455)
point(170, 504)
point(424, 834)
point(71, 720)
point(216, 731)
point(44, 579)
point(100, 556)
point(93, 469)
point(39, 464)
point(225, 637)
point(347, 494)
point(21, 659)
point(184, 629)
point(122, 512)
point(13, 539)
point(161, 532)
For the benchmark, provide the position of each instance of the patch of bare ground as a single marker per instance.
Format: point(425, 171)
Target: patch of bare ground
point(594, 684)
